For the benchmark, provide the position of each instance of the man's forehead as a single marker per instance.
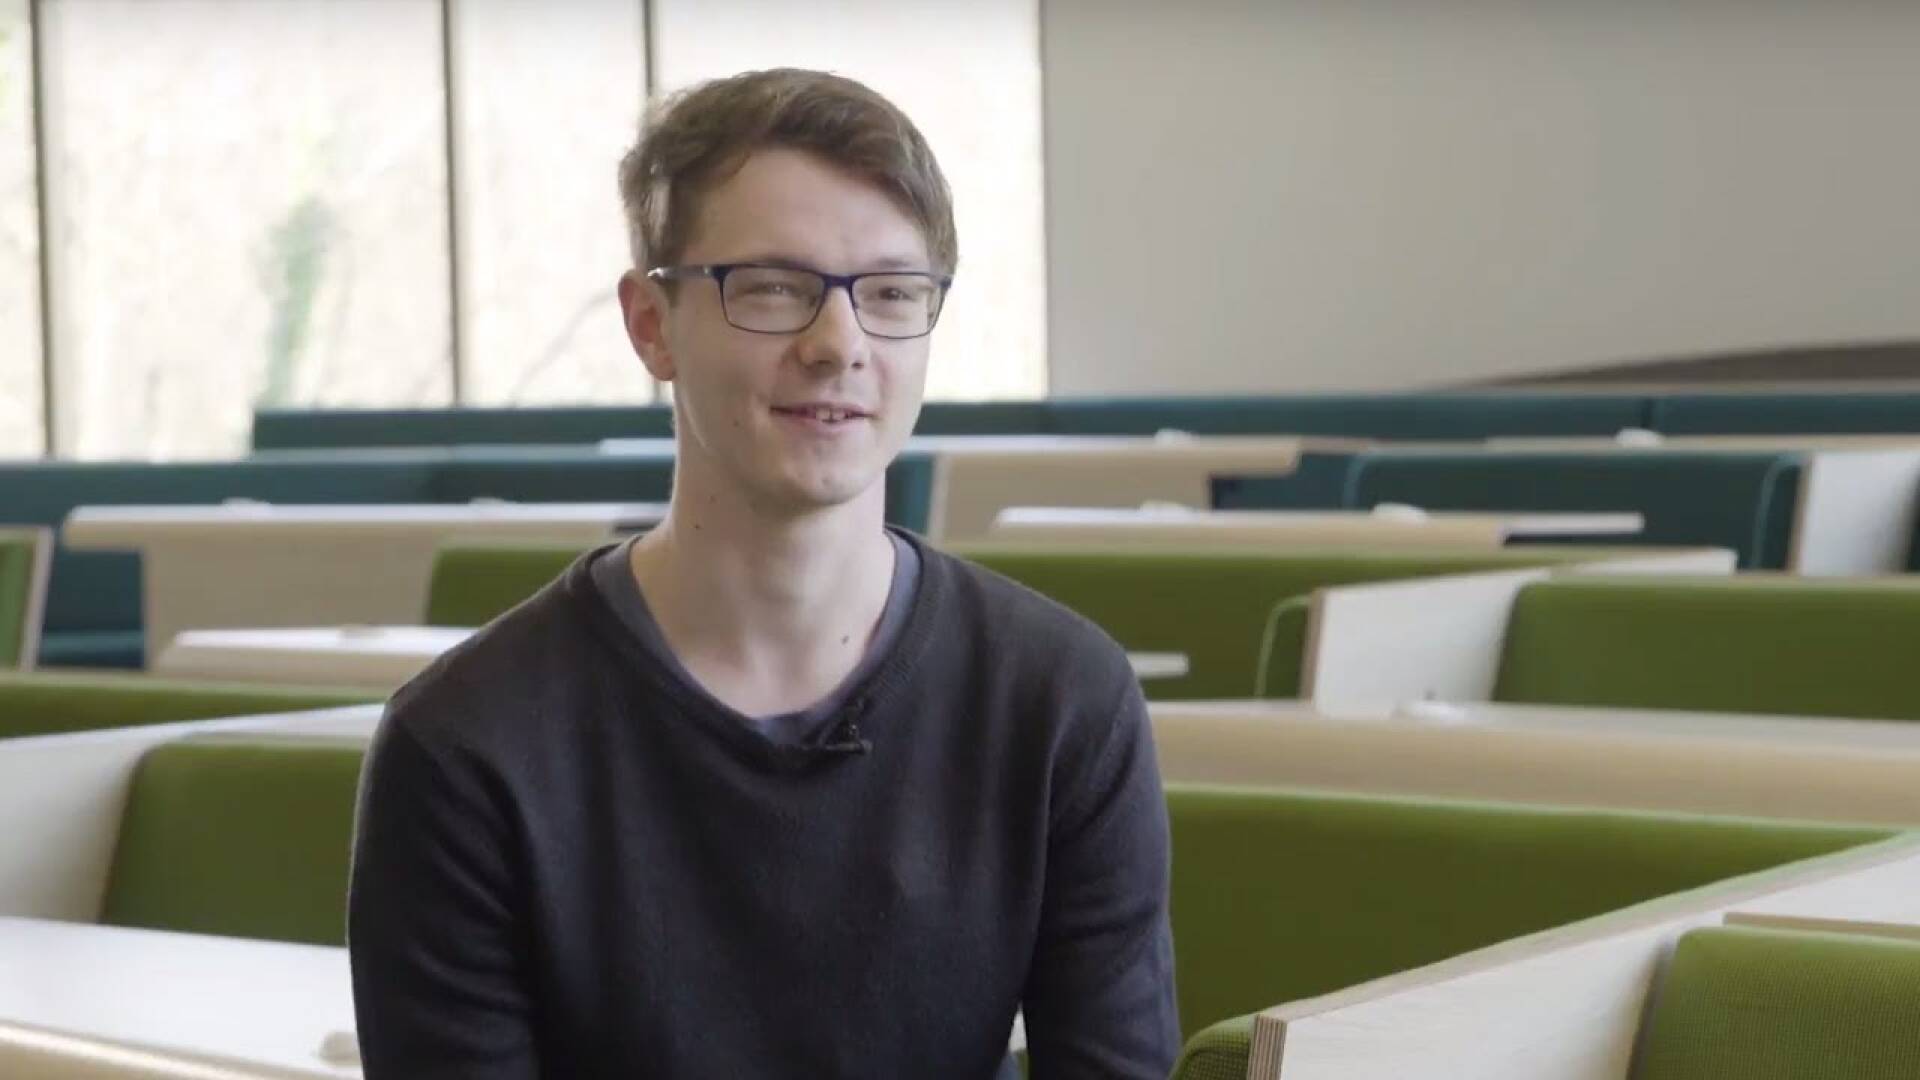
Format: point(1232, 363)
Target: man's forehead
point(788, 207)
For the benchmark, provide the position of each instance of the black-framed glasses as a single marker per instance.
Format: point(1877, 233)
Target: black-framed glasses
point(894, 304)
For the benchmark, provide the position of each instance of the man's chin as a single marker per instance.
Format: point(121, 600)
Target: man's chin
point(819, 492)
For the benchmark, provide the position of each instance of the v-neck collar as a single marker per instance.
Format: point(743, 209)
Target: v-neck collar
point(847, 735)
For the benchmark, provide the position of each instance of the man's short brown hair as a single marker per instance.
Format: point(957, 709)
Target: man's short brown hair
point(696, 139)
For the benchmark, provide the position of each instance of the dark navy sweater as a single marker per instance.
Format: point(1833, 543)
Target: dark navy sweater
point(567, 865)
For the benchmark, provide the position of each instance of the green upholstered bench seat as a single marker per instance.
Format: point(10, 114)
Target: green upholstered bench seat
point(1277, 894)
point(1739, 1003)
point(244, 836)
point(1784, 645)
point(1742, 501)
point(1280, 895)
point(1214, 606)
point(48, 702)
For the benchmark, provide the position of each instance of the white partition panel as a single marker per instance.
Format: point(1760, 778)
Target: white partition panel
point(1856, 512)
point(1428, 639)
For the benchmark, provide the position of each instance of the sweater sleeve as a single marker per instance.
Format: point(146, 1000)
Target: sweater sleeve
point(1099, 1000)
point(431, 932)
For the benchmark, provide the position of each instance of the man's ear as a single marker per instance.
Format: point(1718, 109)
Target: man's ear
point(643, 307)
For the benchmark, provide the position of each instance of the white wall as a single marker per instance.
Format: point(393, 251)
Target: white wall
point(1319, 194)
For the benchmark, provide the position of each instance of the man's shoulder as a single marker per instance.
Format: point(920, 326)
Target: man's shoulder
point(1038, 631)
point(518, 670)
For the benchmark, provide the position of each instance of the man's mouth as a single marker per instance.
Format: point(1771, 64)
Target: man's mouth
point(826, 414)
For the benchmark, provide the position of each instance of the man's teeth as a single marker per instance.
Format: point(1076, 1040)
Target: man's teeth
point(828, 415)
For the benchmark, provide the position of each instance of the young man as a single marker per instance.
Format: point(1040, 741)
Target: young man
point(773, 790)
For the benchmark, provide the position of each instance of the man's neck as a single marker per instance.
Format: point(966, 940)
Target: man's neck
point(768, 612)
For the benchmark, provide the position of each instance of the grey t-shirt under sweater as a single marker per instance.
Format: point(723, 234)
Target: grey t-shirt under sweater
point(613, 576)
point(566, 865)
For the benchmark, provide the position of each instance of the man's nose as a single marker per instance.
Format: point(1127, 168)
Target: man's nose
point(834, 338)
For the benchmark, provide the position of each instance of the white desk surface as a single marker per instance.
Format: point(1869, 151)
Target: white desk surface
point(369, 641)
point(244, 1003)
point(373, 657)
point(1517, 525)
point(113, 527)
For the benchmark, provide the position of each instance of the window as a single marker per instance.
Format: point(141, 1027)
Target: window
point(21, 427)
point(548, 98)
point(248, 203)
point(251, 209)
point(969, 75)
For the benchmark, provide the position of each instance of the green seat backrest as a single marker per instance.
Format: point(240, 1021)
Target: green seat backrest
point(1020, 417)
point(325, 429)
point(473, 584)
point(1742, 501)
point(1795, 646)
point(50, 702)
point(1786, 413)
point(1748, 1004)
point(1214, 606)
point(550, 474)
point(242, 836)
point(23, 568)
point(1280, 895)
